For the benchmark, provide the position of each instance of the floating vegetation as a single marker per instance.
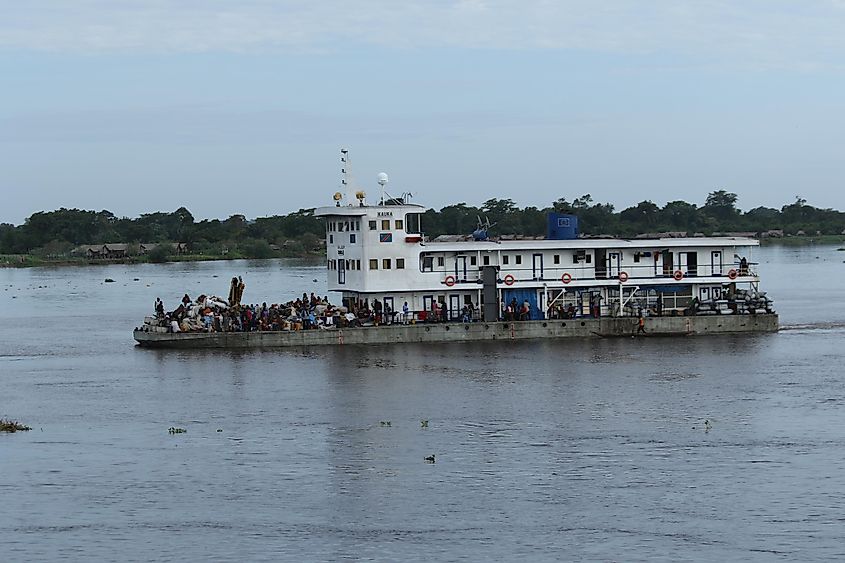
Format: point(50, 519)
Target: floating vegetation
point(429, 459)
point(384, 422)
point(12, 426)
point(706, 426)
point(174, 430)
point(424, 423)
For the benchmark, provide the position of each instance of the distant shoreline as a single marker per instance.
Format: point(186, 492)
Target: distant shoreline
point(29, 261)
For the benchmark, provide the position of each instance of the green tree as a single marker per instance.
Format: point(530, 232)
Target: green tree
point(679, 216)
point(159, 254)
point(721, 205)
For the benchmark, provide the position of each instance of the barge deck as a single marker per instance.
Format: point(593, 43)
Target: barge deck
point(466, 332)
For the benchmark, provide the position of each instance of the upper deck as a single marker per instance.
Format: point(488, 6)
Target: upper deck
point(381, 248)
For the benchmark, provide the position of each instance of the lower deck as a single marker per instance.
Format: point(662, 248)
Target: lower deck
point(545, 303)
point(467, 332)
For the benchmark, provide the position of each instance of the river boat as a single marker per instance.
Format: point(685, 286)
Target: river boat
point(479, 287)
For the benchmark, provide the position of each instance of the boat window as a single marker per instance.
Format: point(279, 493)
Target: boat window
point(588, 258)
point(385, 263)
point(473, 261)
point(352, 238)
point(485, 260)
point(668, 263)
point(557, 258)
point(439, 261)
point(412, 223)
point(519, 258)
point(331, 239)
point(373, 225)
point(505, 259)
point(385, 224)
point(398, 223)
point(374, 264)
point(400, 263)
point(357, 264)
point(427, 263)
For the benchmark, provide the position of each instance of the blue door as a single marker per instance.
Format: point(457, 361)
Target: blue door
point(521, 296)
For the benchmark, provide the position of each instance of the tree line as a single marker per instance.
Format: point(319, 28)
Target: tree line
point(56, 232)
point(718, 214)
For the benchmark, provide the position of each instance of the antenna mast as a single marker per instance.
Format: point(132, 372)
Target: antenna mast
point(346, 176)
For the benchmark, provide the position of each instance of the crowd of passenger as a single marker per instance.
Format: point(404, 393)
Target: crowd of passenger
point(210, 313)
point(215, 314)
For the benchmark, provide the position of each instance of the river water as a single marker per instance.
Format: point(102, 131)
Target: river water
point(545, 450)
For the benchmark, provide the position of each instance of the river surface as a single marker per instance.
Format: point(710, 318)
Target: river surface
point(545, 450)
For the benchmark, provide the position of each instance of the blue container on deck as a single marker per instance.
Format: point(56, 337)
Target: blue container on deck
point(562, 227)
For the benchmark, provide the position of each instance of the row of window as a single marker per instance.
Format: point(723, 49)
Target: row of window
point(341, 226)
point(352, 238)
point(385, 225)
point(386, 264)
point(346, 264)
point(428, 261)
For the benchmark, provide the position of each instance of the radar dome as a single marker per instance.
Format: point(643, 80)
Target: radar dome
point(382, 178)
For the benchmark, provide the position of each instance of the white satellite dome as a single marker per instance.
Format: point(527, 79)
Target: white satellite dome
point(382, 178)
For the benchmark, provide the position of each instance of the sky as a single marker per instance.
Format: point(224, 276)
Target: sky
point(242, 107)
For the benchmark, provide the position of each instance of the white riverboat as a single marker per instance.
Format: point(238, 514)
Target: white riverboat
point(380, 253)
point(397, 285)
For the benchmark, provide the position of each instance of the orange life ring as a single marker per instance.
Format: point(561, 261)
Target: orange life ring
point(732, 274)
point(509, 279)
point(623, 277)
point(566, 278)
point(449, 281)
point(678, 275)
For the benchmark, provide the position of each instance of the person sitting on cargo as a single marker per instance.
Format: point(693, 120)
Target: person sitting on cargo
point(178, 313)
point(159, 308)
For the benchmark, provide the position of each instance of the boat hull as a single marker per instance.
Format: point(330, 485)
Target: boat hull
point(479, 331)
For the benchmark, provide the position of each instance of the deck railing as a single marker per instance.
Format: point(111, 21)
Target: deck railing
point(631, 273)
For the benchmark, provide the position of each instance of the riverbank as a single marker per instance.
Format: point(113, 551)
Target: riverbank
point(30, 261)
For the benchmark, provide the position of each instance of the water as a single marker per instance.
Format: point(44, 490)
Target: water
point(548, 450)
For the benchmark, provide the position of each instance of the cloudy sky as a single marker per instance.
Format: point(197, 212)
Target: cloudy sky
point(241, 107)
